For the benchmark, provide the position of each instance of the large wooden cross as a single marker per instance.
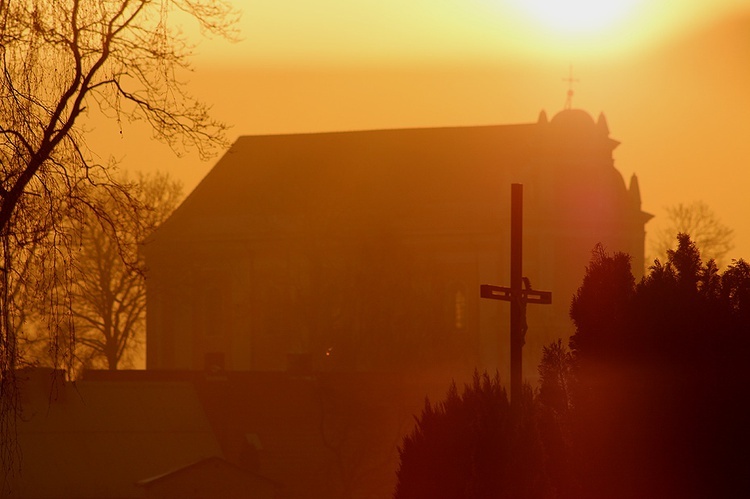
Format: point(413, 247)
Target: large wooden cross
point(517, 295)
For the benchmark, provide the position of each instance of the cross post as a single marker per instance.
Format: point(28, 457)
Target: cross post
point(519, 294)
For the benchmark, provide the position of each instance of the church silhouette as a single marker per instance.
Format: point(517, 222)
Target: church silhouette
point(365, 250)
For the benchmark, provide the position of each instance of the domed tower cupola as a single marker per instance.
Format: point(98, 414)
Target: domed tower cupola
point(589, 190)
point(573, 132)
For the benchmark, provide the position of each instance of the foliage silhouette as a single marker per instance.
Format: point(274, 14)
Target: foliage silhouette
point(469, 445)
point(658, 403)
point(600, 307)
point(648, 402)
point(557, 385)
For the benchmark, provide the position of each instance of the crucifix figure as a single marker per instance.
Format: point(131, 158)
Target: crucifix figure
point(517, 294)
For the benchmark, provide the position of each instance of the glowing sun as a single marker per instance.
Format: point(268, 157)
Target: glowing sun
point(578, 16)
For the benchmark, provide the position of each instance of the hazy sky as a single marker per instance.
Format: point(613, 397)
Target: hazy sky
point(672, 77)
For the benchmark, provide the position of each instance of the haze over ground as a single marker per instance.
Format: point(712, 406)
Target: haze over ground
point(670, 76)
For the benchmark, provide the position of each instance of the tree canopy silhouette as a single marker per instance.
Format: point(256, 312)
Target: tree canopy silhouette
point(61, 60)
point(109, 282)
point(712, 237)
point(659, 402)
point(469, 445)
point(648, 402)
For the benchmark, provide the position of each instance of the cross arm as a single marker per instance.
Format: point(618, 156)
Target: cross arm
point(503, 293)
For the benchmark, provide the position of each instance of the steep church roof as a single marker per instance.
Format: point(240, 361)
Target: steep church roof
point(267, 183)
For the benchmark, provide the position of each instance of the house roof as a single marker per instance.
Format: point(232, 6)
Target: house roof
point(96, 439)
point(208, 462)
point(315, 429)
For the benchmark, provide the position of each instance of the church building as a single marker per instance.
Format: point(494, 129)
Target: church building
point(365, 250)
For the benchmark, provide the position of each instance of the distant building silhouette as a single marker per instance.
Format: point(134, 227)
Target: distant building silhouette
point(365, 250)
point(96, 439)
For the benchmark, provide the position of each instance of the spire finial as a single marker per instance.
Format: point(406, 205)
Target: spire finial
point(570, 80)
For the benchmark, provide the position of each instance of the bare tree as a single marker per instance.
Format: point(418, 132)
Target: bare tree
point(60, 60)
point(710, 235)
point(109, 291)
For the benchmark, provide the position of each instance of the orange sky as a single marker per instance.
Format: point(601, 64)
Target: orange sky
point(672, 77)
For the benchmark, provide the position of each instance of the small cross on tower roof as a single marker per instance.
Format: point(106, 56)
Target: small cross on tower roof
point(570, 80)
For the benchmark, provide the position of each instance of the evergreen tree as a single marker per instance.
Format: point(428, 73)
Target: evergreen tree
point(555, 408)
point(600, 307)
point(469, 446)
point(648, 402)
point(659, 399)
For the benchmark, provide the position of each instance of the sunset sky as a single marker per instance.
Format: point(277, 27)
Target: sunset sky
point(671, 76)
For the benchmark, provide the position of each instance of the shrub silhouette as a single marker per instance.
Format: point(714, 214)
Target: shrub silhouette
point(469, 445)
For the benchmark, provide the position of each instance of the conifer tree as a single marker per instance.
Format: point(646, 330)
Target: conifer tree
point(470, 446)
point(659, 399)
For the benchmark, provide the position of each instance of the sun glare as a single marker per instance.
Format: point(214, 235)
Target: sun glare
point(578, 16)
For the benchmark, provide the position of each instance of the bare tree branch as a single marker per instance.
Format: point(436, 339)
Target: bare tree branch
point(58, 59)
point(712, 238)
